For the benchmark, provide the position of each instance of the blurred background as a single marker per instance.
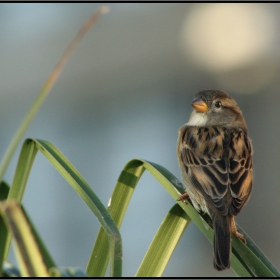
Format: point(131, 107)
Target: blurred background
point(124, 94)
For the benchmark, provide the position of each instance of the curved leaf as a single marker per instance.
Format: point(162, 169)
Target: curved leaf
point(245, 260)
point(73, 177)
point(49, 262)
point(128, 179)
point(46, 89)
point(26, 249)
point(164, 243)
point(4, 191)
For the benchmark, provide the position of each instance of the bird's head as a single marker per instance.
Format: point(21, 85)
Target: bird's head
point(215, 107)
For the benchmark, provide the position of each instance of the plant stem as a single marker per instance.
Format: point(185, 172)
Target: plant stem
point(46, 89)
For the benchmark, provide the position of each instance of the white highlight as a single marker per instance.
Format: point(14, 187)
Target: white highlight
point(229, 35)
point(105, 9)
point(109, 203)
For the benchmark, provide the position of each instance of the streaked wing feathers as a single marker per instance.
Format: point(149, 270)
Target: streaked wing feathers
point(218, 160)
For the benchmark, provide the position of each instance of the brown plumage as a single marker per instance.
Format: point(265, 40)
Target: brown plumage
point(215, 158)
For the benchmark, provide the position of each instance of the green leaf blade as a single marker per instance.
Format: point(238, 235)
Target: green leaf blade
point(127, 181)
point(73, 177)
point(164, 243)
point(4, 248)
point(26, 248)
point(67, 170)
point(259, 265)
point(47, 88)
point(25, 161)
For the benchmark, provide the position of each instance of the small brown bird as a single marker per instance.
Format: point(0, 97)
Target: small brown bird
point(215, 158)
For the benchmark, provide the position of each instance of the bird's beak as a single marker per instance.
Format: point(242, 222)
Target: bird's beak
point(199, 105)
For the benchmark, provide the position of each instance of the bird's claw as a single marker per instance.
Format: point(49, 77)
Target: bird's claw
point(183, 197)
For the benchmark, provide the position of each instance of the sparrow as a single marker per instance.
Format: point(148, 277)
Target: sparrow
point(215, 157)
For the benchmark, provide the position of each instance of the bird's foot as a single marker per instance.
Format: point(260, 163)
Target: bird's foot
point(240, 236)
point(235, 232)
point(184, 197)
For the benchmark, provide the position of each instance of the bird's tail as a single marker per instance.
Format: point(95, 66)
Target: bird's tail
point(222, 242)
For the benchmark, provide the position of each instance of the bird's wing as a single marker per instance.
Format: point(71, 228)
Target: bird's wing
point(240, 171)
point(211, 171)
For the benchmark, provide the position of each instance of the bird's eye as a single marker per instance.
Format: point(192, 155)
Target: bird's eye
point(218, 104)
